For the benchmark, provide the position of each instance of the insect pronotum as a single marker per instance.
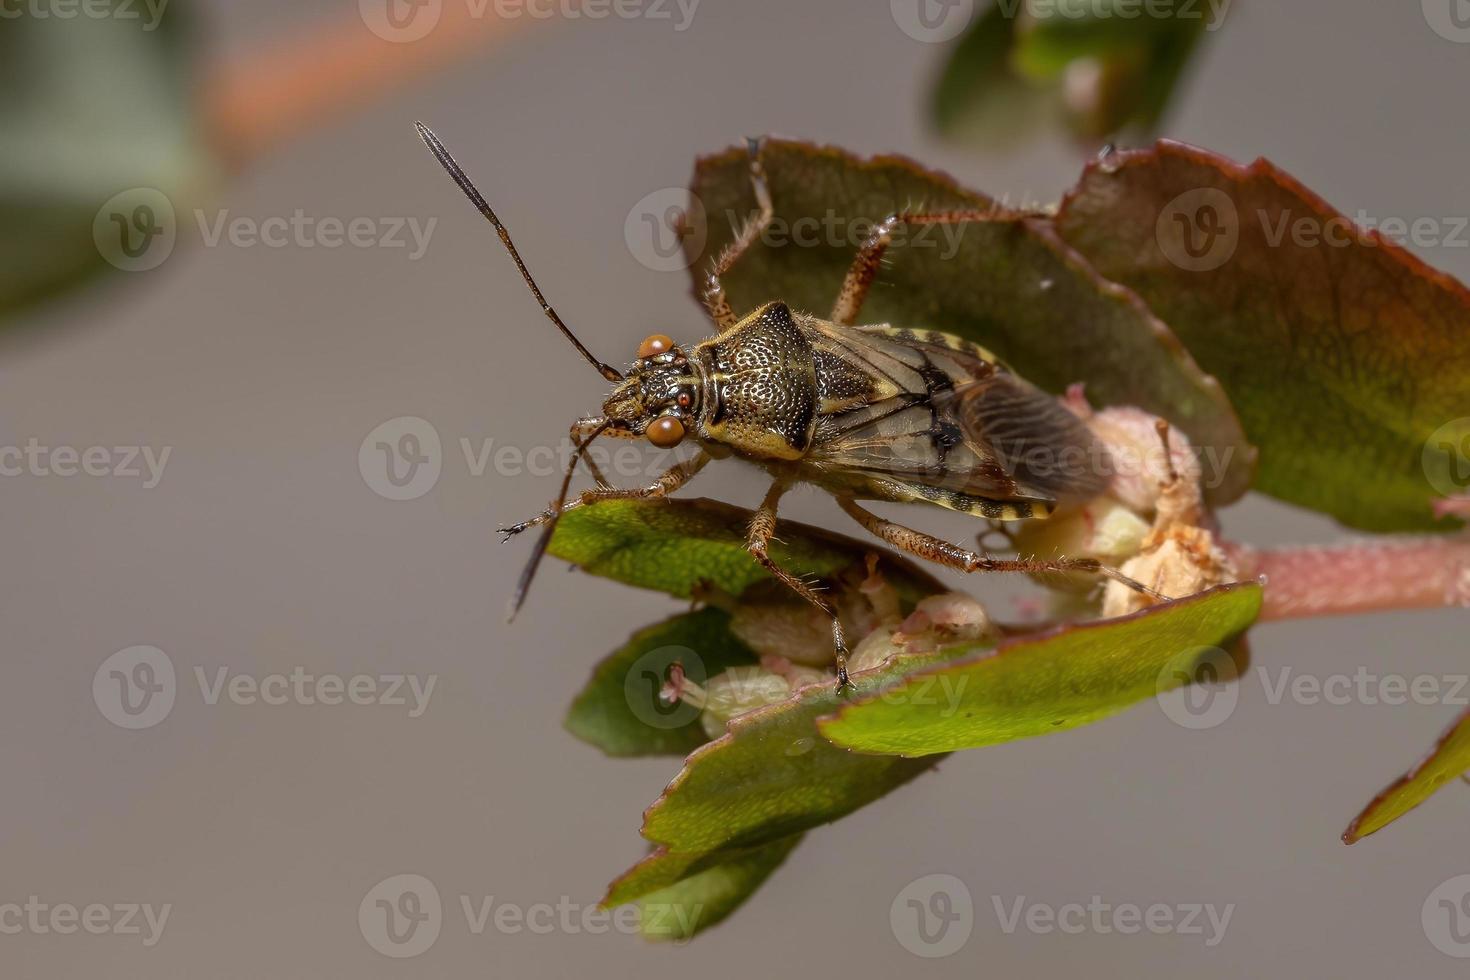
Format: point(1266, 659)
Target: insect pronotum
point(863, 412)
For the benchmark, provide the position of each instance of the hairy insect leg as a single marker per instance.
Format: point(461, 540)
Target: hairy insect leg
point(670, 480)
point(715, 300)
point(757, 541)
point(941, 552)
point(869, 259)
point(581, 429)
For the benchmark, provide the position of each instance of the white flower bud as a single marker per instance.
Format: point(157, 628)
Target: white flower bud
point(736, 691)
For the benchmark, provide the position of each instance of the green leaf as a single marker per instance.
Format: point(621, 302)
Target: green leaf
point(980, 98)
point(771, 775)
point(1448, 760)
point(675, 546)
point(1343, 353)
point(681, 895)
point(98, 113)
point(619, 710)
point(1010, 285)
point(1095, 74)
point(1067, 677)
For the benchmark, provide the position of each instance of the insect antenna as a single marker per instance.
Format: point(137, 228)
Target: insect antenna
point(478, 200)
point(542, 543)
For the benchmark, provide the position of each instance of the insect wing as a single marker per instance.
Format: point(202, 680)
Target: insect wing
point(931, 410)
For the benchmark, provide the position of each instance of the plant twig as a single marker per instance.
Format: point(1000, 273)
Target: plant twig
point(1411, 573)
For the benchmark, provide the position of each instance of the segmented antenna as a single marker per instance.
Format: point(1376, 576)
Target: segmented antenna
point(539, 552)
point(477, 199)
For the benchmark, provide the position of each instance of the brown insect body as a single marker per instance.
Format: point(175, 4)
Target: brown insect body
point(864, 412)
point(884, 413)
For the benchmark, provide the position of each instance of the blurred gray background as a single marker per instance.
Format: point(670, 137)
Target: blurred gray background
point(263, 549)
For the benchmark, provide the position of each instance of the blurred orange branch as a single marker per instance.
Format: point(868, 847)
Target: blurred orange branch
point(270, 96)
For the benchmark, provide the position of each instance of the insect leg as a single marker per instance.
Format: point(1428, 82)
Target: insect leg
point(869, 259)
point(715, 300)
point(672, 479)
point(941, 552)
point(758, 538)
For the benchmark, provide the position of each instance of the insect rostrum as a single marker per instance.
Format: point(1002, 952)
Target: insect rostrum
point(865, 412)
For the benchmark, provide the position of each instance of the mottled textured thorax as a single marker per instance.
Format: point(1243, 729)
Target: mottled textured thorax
point(762, 386)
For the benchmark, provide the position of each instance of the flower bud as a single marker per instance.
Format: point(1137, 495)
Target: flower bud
point(736, 691)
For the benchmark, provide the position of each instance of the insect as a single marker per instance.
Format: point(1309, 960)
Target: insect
point(863, 412)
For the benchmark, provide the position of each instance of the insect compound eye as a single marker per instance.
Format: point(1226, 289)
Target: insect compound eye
point(666, 432)
point(654, 346)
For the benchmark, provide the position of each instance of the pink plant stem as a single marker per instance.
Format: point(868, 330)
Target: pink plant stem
point(1413, 573)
